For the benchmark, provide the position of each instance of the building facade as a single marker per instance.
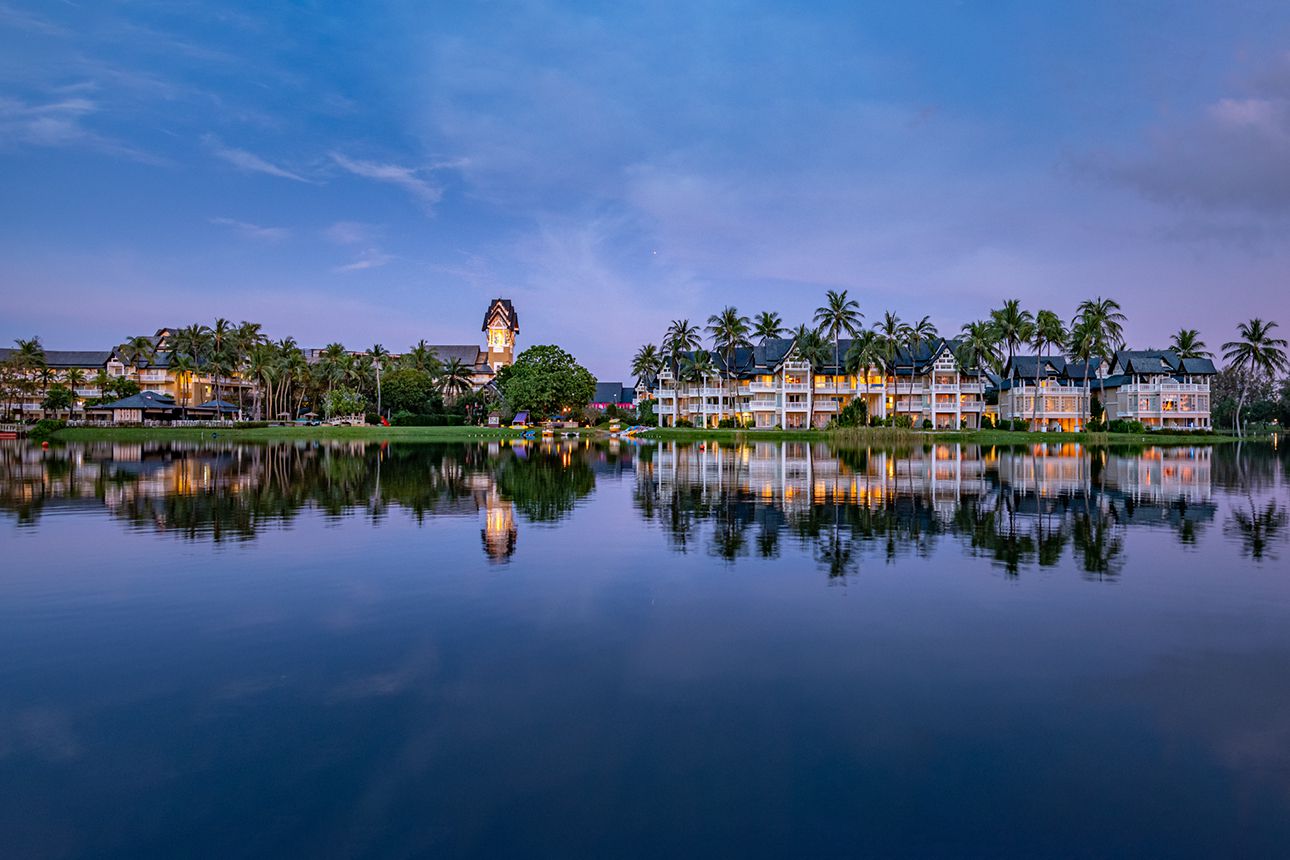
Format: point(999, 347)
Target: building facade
point(1154, 387)
point(769, 386)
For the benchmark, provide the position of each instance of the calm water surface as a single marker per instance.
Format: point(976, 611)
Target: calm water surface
point(643, 650)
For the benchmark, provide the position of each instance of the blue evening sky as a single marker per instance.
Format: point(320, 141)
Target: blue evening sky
point(377, 172)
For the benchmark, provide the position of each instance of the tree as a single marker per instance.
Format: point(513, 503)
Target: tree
point(729, 332)
point(681, 338)
point(647, 362)
point(75, 378)
point(893, 333)
point(1097, 332)
point(342, 400)
point(1049, 332)
point(1258, 352)
point(408, 389)
point(58, 398)
point(978, 347)
point(544, 380)
point(379, 356)
point(812, 348)
point(1186, 343)
point(838, 314)
point(768, 325)
point(455, 380)
point(1013, 326)
point(182, 367)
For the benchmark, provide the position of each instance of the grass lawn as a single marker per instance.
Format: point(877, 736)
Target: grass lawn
point(407, 434)
point(882, 435)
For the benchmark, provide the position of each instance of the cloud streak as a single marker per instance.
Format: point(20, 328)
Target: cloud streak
point(253, 231)
point(407, 178)
point(249, 162)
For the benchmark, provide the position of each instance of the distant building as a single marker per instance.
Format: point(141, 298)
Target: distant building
point(58, 365)
point(612, 394)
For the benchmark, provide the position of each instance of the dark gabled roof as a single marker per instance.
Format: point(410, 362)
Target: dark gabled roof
point(467, 354)
point(1198, 366)
point(1147, 361)
point(65, 359)
point(1035, 366)
point(220, 405)
point(508, 309)
point(607, 392)
point(142, 400)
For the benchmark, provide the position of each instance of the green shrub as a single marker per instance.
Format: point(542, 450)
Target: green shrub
point(684, 422)
point(46, 427)
point(927, 424)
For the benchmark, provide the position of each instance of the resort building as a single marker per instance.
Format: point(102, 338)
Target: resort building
point(1155, 387)
point(769, 386)
point(76, 368)
point(612, 394)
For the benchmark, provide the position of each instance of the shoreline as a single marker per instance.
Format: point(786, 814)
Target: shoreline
point(876, 435)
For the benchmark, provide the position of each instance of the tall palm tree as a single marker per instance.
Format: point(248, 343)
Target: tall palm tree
point(729, 331)
point(838, 314)
point(647, 362)
point(893, 333)
point(812, 348)
point(221, 333)
point(1049, 332)
point(1014, 326)
point(1258, 353)
point(1186, 343)
point(30, 351)
point(1083, 344)
point(681, 338)
point(193, 341)
point(1100, 322)
point(333, 363)
point(379, 356)
point(75, 378)
point(768, 325)
point(695, 367)
point(455, 380)
point(978, 346)
point(183, 366)
point(917, 334)
point(865, 353)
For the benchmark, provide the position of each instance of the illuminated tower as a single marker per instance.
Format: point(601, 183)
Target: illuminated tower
point(502, 325)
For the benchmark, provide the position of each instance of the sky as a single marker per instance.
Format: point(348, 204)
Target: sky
point(377, 172)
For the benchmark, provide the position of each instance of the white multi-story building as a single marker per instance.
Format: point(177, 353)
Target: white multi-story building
point(769, 386)
point(1155, 387)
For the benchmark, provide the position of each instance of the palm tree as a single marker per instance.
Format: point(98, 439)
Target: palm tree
point(221, 332)
point(140, 347)
point(1259, 353)
point(1100, 332)
point(183, 366)
point(694, 368)
point(978, 346)
point(729, 331)
point(246, 337)
point(647, 362)
point(893, 333)
point(193, 341)
point(1186, 343)
point(332, 364)
point(812, 348)
point(30, 351)
point(921, 332)
point(1083, 344)
point(102, 379)
point(75, 378)
point(838, 314)
point(768, 325)
point(865, 353)
point(1049, 332)
point(455, 380)
point(1013, 326)
point(681, 338)
point(379, 356)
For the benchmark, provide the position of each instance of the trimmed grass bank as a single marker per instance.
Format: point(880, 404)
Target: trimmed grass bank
point(880, 435)
point(408, 434)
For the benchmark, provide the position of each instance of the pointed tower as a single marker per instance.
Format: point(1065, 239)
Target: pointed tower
point(502, 325)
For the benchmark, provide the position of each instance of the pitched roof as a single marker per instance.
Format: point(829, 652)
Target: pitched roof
point(221, 405)
point(68, 358)
point(508, 311)
point(142, 400)
point(1198, 366)
point(467, 354)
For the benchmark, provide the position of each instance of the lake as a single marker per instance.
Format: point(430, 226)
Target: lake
point(644, 649)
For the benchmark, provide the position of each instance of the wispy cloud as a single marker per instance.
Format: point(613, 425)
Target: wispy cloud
point(407, 178)
point(372, 258)
point(58, 123)
point(350, 232)
point(253, 231)
point(248, 161)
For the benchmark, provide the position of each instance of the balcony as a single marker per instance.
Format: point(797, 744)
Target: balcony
point(762, 387)
point(764, 405)
point(795, 386)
